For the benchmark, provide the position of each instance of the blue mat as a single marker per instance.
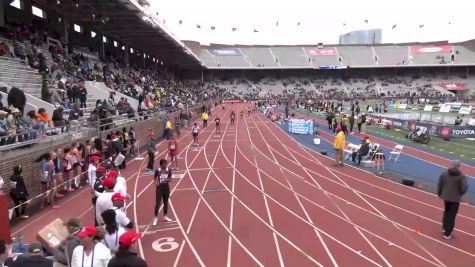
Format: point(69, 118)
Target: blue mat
point(407, 165)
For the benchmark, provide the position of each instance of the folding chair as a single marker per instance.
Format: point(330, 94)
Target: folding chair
point(397, 150)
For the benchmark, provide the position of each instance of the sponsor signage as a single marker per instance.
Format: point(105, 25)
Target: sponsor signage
point(300, 126)
point(454, 86)
point(225, 52)
point(428, 108)
point(445, 108)
point(465, 110)
point(428, 49)
point(443, 131)
point(332, 67)
point(231, 101)
point(322, 52)
point(402, 106)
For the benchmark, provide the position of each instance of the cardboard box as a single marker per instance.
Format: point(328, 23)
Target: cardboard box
point(53, 234)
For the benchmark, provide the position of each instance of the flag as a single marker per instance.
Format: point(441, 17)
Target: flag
point(213, 28)
point(198, 26)
point(164, 21)
point(394, 26)
point(234, 29)
point(450, 23)
point(344, 24)
point(277, 23)
point(298, 23)
point(366, 20)
point(422, 25)
point(256, 30)
point(180, 22)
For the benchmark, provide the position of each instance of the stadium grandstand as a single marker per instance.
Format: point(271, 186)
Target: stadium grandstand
point(256, 155)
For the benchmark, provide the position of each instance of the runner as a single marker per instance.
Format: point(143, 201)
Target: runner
point(177, 126)
point(217, 121)
point(162, 177)
point(233, 117)
point(242, 113)
point(173, 152)
point(195, 130)
point(249, 111)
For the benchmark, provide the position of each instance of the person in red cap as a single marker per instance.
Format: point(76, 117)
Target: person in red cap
point(162, 177)
point(173, 152)
point(91, 170)
point(104, 201)
point(127, 253)
point(91, 252)
point(118, 202)
point(339, 145)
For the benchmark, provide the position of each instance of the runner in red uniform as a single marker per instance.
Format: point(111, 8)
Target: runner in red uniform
point(173, 152)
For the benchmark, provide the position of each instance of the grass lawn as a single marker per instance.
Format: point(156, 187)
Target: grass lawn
point(461, 148)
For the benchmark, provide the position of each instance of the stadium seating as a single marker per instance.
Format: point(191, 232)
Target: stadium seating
point(291, 57)
point(392, 55)
point(260, 57)
point(356, 55)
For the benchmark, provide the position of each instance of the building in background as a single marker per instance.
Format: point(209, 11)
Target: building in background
point(370, 36)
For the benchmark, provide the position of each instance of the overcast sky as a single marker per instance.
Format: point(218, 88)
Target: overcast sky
point(320, 21)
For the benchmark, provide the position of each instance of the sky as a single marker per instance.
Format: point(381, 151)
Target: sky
point(320, 21)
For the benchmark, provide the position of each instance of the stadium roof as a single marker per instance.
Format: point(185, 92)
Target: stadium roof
point(124, 21)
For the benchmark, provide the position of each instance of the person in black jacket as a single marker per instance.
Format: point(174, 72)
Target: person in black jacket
point(126, 256)
point(18, 192)
point(17, 99)
point(451, 187)
point(362, 151)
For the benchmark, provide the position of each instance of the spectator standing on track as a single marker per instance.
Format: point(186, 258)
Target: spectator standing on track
point(91, 252)
point(126, 255)
point(359, 121)
point(344, 124)
point(18, 192)
point(91, 171)
point(104, 201)
point(339, 145)
point(162, 177)
point(177, 126)
point(173, 152)
point(118, 202)
point(218, 128)
point(112, 230)
point(205, 118)
point(352, 122)
point(150, 149)
point(233, 117)
point(195, 129)
point(168, 129)
point(451, 187)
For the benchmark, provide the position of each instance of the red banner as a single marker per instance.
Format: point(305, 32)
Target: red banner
point(454, 86)
point(228, 101)
point(322, 52)
point(427, 49)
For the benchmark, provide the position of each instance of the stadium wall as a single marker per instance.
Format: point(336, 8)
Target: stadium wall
point(27, 157)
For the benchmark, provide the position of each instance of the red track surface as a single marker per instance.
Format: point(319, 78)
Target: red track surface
point(253, 196)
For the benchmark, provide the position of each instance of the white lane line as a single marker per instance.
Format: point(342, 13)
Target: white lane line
point(179, 253)
point(219, 219)
point(331, 212)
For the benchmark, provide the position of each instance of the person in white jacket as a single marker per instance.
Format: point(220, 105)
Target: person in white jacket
point(91, 252)
point(91, 170)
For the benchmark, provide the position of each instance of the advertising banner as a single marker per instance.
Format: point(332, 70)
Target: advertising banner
point(427, 49)
point(402, 106)
point(465, 110)
point(428, 108)
point(225, 52)
point(228, 101)
point(300, 126)
point(453, 86)
point(332, 67)
point(445, 131)
point(322, 52)
point(445, 108)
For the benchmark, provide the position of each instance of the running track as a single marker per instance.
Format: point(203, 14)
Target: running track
point(254, 197)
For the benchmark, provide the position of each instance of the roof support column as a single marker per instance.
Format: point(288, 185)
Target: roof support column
point(103, 46)
point(2, 13)
point(66, 35)
point(126, 55)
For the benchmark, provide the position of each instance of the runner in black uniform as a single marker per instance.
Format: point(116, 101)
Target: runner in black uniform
point(218, 121)
point(233, 117)
point(162, 177)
